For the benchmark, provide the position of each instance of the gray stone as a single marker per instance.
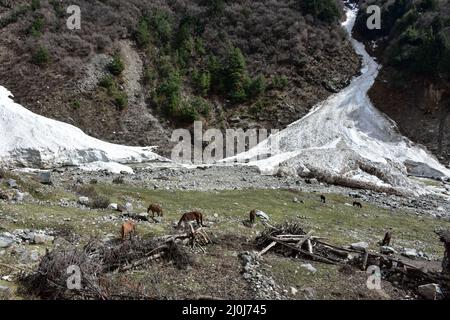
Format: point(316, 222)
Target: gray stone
point(45, 177)
point(5, 242)
point(12, 183)
point(309, 267)
point(362, 246)
point(112, 206)
point(83, 200)
point(387, 250)
point(40, 238)
point(410, 253)
point(129, 206)
point(430, 291)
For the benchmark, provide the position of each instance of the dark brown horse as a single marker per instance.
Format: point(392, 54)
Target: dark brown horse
point(191, 216)
point(155, 208)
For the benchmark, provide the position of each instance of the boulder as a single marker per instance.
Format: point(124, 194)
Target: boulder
point(112, 206)
point(83, 200)
point(309, 267)
point(19, 196)
point(262, 215)
point(45, 177)
point(5, 242)
point(121, 208)
point(410, 253)
point(387, 250)
point(129, 206)
point(430, 291)
point(41, 238)
point(361, 246)
point(12, 183)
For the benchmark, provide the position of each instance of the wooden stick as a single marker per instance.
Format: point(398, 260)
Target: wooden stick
point(273, 243)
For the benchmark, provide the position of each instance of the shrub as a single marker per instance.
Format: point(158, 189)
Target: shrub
point(76, 104)
point(169, 92)
point(99, 202)
point(35, 5)
point(202, 82)
point(107, 82)
point(41, 56)
point(120, 99)
point(36, 28)
point(143, 34)
point(116, 66)
point(279, 82)
point(118, 180)
point(325, 10)
point(257, 86)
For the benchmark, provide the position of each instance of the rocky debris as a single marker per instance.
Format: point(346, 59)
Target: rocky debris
point(262, 215)
point(310, 293)
point(83, 201)
point(42, 238)
point(5, 242)
point(12, 184)
point(129, 206)
point(262, 285)
point(19, 196)
point(430, 291)
point(293, 291)
point(113, 206)
point(6, 195)
point(122, 208)
point(45, 177)
point(361, 246)
point(28, 236)
point(410, 253)
point(387, 250)
point(309, 267)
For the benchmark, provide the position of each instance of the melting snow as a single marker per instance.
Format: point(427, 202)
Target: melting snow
point(346, 138)
point(30, 140)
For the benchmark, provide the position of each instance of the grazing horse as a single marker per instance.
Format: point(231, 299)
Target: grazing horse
point(323, 199)
point(387, 239)
point(252, 216)
point(155, 208)
point(357, 204)
point(128, 229)
point(191, 216)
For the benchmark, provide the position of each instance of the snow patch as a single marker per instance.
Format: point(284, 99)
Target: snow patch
point(31, 140)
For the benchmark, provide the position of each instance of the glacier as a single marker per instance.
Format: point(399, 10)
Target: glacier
point(346, 140)
point(31, 140)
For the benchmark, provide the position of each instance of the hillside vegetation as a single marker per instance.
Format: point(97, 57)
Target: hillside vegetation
point(246, 63)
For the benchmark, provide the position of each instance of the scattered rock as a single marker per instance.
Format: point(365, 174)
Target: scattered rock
point(5, 242)
point(40, 238)
point(83, 200)
point(262, 215)
point(430, 291)
point(293, 291)
point(129, 206)
point(410, 253)
point(112, 206)
point(45, 177)
point(361, 246)
point(19, 196)
point(121, 208)
point(387, 250)
point(12, 183)
point(309, 267)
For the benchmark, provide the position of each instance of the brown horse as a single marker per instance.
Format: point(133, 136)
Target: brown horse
point(252, 216)
point(155, 208)
point(191, 216)
point(128, 229)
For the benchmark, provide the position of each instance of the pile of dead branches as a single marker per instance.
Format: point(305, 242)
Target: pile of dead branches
point(290, 240)
point(97, 263)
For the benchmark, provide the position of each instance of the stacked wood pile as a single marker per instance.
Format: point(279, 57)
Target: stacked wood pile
point(290, 240)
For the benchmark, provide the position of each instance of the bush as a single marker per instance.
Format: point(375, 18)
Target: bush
point(76, 104)
point(116, 66)
point(325, 10)
point(35, 5)
point(41, 56)
point(118, 180)
point(169, 92)
point(37, 27)
point(279, 82)
point(107, 82)
point(257, 87)
point(99, 202)
point(202, 82)
point(120, 99)
point(143, 34)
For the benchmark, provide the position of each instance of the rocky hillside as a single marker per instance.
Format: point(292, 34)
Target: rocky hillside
point(413, 87)
point(136, 70)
